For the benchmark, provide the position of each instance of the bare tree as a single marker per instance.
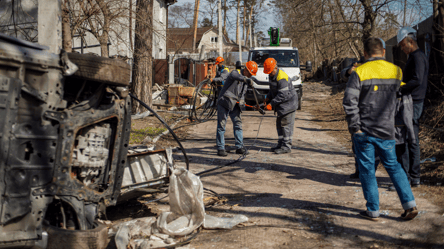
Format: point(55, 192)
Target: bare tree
point(181, 15)
point(19, 19)
point(143, 63)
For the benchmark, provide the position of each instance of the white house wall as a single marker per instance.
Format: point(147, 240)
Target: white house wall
point(119, 37)
point(159, 29)
point(212, 46)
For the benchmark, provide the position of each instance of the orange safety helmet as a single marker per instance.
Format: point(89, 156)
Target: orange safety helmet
point(219, 60)
point(269, 65)
point(251, 67)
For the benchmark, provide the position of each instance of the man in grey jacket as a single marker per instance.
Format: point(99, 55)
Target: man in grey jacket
point(232, 93)
point(283, 98)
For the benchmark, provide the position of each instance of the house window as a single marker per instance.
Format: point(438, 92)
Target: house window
point(214, 39)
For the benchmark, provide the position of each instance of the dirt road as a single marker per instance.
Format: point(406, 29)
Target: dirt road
point(304, 199)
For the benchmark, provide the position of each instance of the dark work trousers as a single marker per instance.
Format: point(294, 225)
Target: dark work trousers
point(412, 168)
point(285, 127)
point(377, 160)
point(402, 156)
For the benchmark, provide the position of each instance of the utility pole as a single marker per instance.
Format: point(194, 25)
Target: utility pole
point(238, 32)
point(196, 15)
point(219, 40)
point(249, 28)
point(254, 34)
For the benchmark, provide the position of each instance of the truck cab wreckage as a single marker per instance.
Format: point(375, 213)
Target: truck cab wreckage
point(63, 138)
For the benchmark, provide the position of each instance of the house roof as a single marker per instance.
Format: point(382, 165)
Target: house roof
point(181, 39)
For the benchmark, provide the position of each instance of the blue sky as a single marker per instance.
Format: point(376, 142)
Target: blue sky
point(266, 20)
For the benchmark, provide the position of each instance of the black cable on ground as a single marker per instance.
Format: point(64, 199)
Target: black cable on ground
point(166, 125)
point(242, 157)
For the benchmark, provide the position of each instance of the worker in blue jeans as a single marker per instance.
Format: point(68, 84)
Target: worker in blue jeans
point(370, 103)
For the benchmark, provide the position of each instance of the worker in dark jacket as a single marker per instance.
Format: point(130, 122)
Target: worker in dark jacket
point(415, 75)
point(283, 98)
point(232, 93)
point(370, 105)
point(222, 73)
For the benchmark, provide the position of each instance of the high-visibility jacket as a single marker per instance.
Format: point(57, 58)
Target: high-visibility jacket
point(222, 75)
point(233, 90)
point(370, 98)
point(282, 95)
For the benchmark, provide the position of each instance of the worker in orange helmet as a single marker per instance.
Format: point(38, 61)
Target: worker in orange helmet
point(233, 93)
point(222, 73)
point(284, 99)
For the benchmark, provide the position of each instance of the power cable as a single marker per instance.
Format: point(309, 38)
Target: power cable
point(187, 162)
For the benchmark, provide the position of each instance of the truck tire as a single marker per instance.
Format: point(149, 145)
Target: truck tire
point(101, 69)
point(96, 238)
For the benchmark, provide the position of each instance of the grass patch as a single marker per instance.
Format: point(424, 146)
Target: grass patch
point(137, 135)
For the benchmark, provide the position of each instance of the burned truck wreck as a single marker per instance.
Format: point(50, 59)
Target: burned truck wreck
point(63, 140)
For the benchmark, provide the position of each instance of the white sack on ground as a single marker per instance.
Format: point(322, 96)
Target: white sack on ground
point(212, 222)
point(187, 211)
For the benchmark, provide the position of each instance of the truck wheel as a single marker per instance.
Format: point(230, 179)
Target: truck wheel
point(299, 103)
point(102, 69)
point(96, 238)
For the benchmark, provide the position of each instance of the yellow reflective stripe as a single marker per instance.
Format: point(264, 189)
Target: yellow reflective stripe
point(226, 68)
point(239, 71)
point(282, 75)
point(378, 69)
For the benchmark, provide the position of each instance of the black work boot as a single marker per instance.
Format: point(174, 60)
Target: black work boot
point(282, 150)
point(415, 183)
point(273, 149)
point(222, 153)
point(241, 151)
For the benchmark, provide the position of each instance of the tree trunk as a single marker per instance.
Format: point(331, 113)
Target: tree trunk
point(66, 29)
point(143, 68)
point(368, 25)
point(244, 28)
point(103, 40)
point(248, 31)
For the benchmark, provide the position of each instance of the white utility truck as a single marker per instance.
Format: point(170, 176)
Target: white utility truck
point(287, 58)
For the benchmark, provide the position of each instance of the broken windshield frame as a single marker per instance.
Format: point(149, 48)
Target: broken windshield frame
point(284, 58)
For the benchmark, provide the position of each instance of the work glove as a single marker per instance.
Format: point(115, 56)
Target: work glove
point(249, 82)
